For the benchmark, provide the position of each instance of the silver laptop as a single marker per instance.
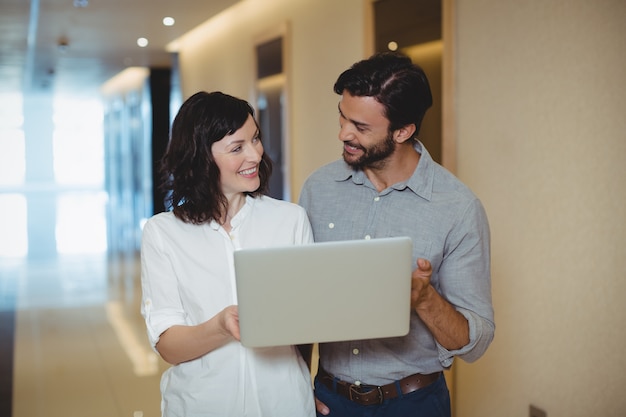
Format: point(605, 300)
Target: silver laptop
point(324, 292)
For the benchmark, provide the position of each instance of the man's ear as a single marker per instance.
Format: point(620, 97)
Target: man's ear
point(404, 133)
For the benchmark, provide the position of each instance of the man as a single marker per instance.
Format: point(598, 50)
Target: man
point(388, 185)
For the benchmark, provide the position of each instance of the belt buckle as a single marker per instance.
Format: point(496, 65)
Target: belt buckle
point(357, 390)
point(353, 389)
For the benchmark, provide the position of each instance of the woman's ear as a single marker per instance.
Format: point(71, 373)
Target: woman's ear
point(404, 133)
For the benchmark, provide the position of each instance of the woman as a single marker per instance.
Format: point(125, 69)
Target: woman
point(215, 174)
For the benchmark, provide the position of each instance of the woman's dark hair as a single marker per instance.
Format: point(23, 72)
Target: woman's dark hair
point(191, 178)
point(395, 82)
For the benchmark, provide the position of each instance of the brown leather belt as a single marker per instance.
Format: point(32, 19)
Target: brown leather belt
point(372, 394)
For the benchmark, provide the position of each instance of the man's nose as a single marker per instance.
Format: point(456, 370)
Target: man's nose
point(345, 132)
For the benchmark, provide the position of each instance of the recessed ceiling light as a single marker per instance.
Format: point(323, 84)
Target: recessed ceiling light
point(393, 46)
point(143, 42)
point(168, 21)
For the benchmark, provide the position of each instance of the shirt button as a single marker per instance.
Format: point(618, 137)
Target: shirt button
point(367, 237)
point(376, 198)
point(357, 383)
point(355, 351)
point(331, 225)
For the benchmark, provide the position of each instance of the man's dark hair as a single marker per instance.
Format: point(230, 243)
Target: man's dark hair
point(395, 82)
point(191, 178)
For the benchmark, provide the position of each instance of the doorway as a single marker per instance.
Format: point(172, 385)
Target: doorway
point(415, 29)
point(270, 104)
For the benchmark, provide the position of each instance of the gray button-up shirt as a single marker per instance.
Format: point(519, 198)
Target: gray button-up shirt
point(448, 226)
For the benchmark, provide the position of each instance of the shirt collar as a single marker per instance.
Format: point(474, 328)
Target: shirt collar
point(241, 214)
point(420, 182)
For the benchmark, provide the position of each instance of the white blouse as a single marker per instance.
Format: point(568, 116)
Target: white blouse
point(187, 277)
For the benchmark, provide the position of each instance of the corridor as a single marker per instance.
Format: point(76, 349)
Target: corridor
point(80, 346)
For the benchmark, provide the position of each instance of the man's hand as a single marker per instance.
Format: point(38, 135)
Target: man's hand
point(420, 282)
point(449, 327)
point(321, 407)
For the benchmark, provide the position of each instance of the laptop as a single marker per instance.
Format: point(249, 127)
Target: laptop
point(324, 292)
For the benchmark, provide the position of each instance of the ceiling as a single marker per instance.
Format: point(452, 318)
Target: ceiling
point(74, 46)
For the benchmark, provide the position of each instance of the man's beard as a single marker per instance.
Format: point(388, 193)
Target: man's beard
point(374, 156)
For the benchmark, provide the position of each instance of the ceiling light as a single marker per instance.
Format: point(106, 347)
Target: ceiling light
point(393, 46)
point(63, 44)
point(143, 42)
point(168, 21)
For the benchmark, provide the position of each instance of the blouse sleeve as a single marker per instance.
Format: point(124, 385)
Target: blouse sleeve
point(161, 306)
point(304, 233)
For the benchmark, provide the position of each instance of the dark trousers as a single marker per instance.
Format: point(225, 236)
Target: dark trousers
point(430, 401)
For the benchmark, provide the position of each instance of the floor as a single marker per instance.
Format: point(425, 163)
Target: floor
point(80, 346)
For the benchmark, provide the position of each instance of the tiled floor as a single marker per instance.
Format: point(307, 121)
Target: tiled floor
point(80, 343)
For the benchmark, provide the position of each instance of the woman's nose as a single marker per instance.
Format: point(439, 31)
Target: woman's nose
point(255, 153)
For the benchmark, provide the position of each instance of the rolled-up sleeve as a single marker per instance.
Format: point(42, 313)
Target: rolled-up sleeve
point(161, 306)
point(465, 281)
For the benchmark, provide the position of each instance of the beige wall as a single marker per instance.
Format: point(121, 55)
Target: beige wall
point(540, 103)
point(540, 129)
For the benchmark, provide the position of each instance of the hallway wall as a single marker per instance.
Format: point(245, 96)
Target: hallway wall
point(540, 104)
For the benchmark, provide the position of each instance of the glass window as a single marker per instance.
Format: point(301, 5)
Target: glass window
point(12, 146)
point(78, 142)
point(14, 236)
point(12, 157)
point(81, 223)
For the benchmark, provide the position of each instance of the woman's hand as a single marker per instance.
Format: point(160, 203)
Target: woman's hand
point(229, 321)
point(183, 343)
